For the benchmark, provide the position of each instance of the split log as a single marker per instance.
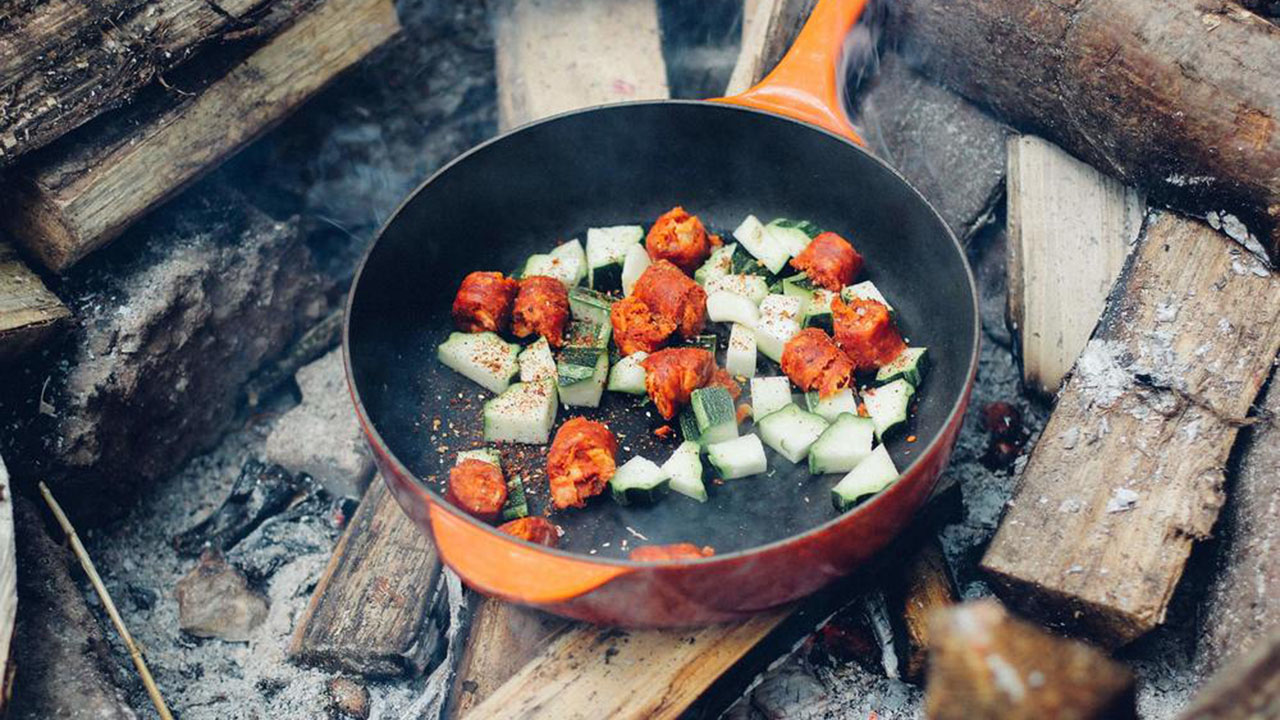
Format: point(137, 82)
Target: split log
point(369, 613)
point(74, 197)
point(1070, 230)
point(1246, 689)
point(768, 28)
point(985, 664)
point(503, 639)
point(1177, 98)
point(64, 62)
point(1128, 473)
point(8, 587)
point(921, 588)
point(29, 312)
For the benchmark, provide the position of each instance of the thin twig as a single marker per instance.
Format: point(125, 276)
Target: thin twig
point(85, 562)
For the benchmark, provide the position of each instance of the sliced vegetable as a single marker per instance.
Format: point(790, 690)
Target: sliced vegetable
point(910, 365)
point(738, 458)
point(843, 445)
point(718, 265)
point(831, 407)
point(483, 358)
point(537, 362)
point(716, 415)
point(865, 290)
point(779, 322)
point(580, 385)
point(794, 235)
point(684, 467)
point(516, 506)
point(724, 306)
point(689, 428)
point(633, 266)
point(627, 375)
point(484, 454)
point(749, 286)
point(768, 395)
point(888, 406)
point(523, 413)
point(706, 341)
point(872, 475)
point(607, 249)
point(639, 481)
point(791, 431)
point(588, 304)
point(567, 263)
point(753, 238)
point(740, 357)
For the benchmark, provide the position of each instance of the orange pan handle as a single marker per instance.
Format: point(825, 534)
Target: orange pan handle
point(513, 570)
point(806, 84)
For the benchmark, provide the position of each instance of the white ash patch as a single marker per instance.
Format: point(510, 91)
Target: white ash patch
point(1103, 372)
point(1122, 500)
point(1185, 180)
point(1167, 311)
point(1069, 438)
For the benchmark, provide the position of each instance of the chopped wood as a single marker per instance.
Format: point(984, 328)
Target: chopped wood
point(8, 586)
point(79, 194)
point(1070, 230)
point(986, 664)
point(1128, 472)
point(920, 588)
point(504, 638)
point(768, 28)
point(1178, 99)
point(1243, 601)
point(29, 312)
point(369, 612)
point(1246, 689)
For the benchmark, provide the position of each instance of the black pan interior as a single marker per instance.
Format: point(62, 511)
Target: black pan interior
point(546, 183)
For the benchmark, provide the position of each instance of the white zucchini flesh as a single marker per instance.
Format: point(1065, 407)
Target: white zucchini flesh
point(484, 454)
point(724, 306)
point(587, 393)
point(638, 480)
point(769, 395)
point(633, 266)
point(483, 358)
point(749, 286)
point(865, 290)
point(567, 263)
point(791, 432)
point(627, 375)
point(793, 239)
point(871, 476)
point(684, 467)
point(719, 264)
point(753, 238)
point(741, 457)
point(888, 405)
point(779, 322)
point(537, 362)
point(910, 365)
point(740, 356)
point(608, 246)
point(524, 413)
point(845, 401)
point(843, 445)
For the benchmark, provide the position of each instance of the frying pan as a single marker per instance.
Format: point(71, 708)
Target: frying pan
point(783, 148)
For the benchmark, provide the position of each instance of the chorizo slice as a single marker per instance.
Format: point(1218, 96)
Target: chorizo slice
point(580, 462)
point(671, 294)
point(542, 307)
point(674, 551)
point(537, 530)
point(671, 376)
point(722, 378)
point(478, 488)
point(829, 260)
point(636, 327)
point(679, 238)
point(813, 361)
point(483, 302)
point(865, 332)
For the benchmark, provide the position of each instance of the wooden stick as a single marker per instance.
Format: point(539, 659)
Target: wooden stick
point(135, 653)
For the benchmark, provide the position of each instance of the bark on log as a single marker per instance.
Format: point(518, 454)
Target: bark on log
point(29, 312)
point(1177, 98)
point(75, 196)
point(1128, 473)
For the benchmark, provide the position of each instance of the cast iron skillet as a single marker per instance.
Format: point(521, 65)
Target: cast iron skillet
point(776, 536)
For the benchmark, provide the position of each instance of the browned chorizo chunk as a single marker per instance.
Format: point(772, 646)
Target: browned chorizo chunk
point(830, 261)
point(637, 328)
point(580, 462)
point(671, 294)
point(671, 376)
point(538, 530)
point(542, 307)
point(484, 302)
point(478, 488)
point(675, 551)
point(865, 332)
point(680, 238)
point(813, 361)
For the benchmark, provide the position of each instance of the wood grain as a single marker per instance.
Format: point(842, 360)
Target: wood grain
point(1070, 229)
point(921, 587)
point(8, 586)
point(768, 28)
point(369, 612)
point(1246, 689)
point(29, 312)
point(1128, 473)
point(76, 196)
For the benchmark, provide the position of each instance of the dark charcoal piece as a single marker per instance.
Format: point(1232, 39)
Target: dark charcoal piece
point(305, 528)
point(261, 491)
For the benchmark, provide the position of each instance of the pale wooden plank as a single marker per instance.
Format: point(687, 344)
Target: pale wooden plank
point(77, 196)
point(1070, 229)
point(8, 584)
point(503, 639)
point(768, 28)
point(1128, 473)
point(29, 312)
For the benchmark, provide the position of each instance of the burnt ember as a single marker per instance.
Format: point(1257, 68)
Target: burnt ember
point(1003, 422)
point(260, 492)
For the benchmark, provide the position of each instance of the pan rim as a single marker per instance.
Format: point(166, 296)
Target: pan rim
point(954, 414)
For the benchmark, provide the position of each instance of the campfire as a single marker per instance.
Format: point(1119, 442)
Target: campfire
point(207, 253)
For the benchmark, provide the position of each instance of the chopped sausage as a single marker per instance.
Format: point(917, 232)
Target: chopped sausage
point(679, 238)
point(812, 361)
point(484, 302)
point(542, 307)
point(537, 530)
point(675, 551)
point(477, 487)
point(636, 327)
point(830, 261)
point(671, 294)
point(671, 376)
point(580, 462)
point(722, 378)
point(866, 333)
